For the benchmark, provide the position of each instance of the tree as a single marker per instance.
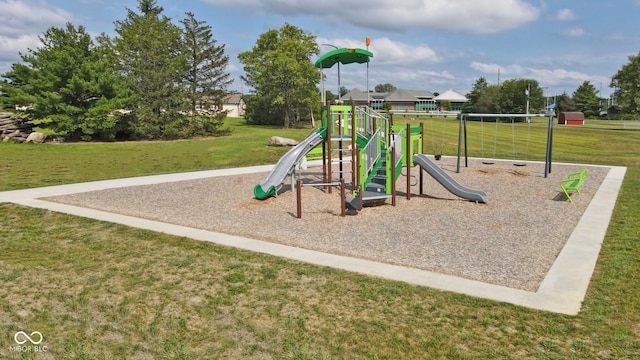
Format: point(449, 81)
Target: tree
point(207, 79)
point(586, 99)
point(479, 88)
point(564, 102)
point(483, 98)
point(152, 58)
point(284, 80)
point(384, 88)
point(487, 103)
point(627, 84)
point(68, 86)
point(343, 91)
point(514, 94)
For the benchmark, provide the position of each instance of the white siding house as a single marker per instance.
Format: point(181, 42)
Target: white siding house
point(234, 105)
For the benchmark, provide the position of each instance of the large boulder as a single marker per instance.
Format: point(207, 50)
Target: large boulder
point(282, 141)
point(36, 138)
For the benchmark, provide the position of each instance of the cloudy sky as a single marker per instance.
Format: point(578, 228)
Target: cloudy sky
point(432, 45)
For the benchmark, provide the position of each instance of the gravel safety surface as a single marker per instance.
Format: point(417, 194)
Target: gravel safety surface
point(511, 241)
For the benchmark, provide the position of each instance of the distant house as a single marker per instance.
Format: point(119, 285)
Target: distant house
point(411, 100)
point(360, 97)
point(399, 99)
point(234, 105)
point(456, 100)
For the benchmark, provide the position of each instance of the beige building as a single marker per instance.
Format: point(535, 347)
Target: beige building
point(234, 105)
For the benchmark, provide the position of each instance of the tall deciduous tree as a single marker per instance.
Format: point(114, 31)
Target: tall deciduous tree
point(627, 84)
point(68, 85)
point(585, 99)
point(280, 71)
point(207, 79)
point(515, 93)
point(151, 56)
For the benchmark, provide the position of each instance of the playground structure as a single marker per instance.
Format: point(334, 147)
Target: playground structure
point(362, 153)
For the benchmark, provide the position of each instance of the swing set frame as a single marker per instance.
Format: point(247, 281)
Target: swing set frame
point(462, 135)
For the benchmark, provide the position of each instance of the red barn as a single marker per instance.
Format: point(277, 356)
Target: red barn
point(571, 118)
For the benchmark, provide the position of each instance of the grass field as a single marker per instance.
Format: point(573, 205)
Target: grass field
point(98, 290)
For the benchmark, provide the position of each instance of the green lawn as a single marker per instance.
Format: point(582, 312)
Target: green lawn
point(98, 290)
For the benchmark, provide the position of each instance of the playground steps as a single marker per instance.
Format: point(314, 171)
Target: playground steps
point(371, 195)
point(374, 191)
point(380, 177)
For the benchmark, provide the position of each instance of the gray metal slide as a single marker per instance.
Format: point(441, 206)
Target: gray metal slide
point(448, 182)
point(285, 165)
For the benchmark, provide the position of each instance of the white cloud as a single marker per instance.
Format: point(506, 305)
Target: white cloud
point(425, 79)
point(545, 77)
point(21, 22)
point(469, 16)
point(26, 17)
point(398, 53)
point(574, 33)
point(565, 15)
point(10, 47)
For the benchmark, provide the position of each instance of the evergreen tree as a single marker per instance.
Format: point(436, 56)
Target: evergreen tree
point(207, 79)
point(280, 71)
point(627, 84)
point(564, 102)
point(152, 58)
point(68, 86)
point(479, 88)
point(585, 99)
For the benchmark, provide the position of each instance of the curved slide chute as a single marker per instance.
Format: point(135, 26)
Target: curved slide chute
point(285, 165)
point(448, 182)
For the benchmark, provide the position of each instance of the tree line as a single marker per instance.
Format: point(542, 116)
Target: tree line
point(511, 97)
point(159, 80)
point(153, 80)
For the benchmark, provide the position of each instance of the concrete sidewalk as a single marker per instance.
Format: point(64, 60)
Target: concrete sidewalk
point(562, 290)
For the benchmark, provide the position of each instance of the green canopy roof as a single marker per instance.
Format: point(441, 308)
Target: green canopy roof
point(343, 56)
